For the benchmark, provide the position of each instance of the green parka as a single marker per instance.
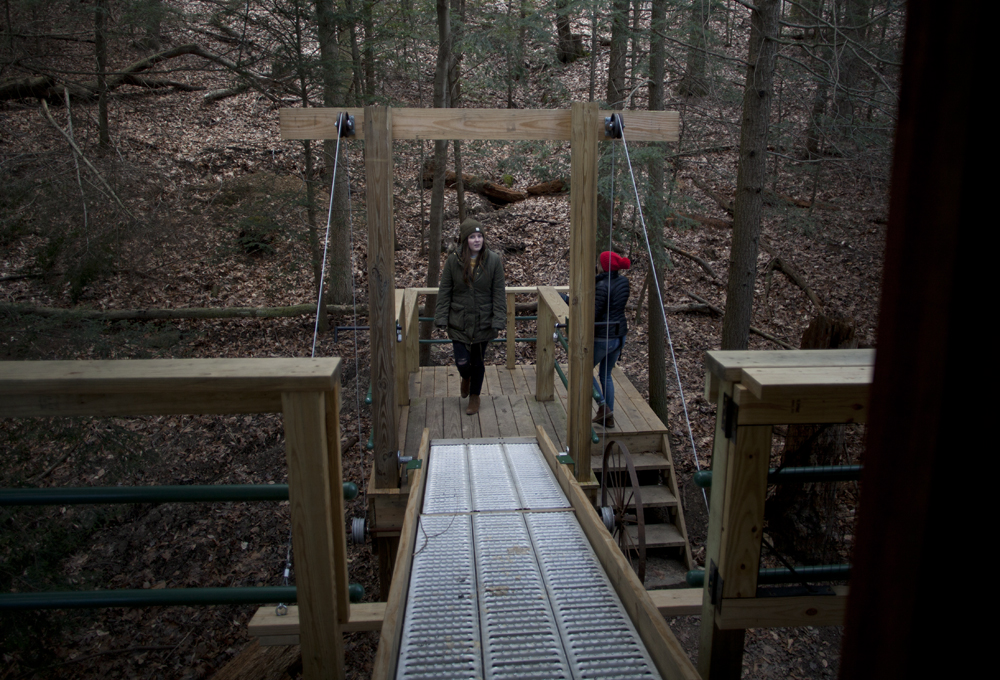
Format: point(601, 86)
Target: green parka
point(475, 314)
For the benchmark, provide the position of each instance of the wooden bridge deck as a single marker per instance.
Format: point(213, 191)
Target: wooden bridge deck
point(509, 409)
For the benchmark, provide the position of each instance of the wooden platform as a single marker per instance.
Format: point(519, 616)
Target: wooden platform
point(509, 409)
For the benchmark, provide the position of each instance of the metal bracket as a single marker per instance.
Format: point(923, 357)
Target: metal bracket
point(404, 463)
point(715, 583)
point(613, 126)
point(347, 129)
point(730, 416)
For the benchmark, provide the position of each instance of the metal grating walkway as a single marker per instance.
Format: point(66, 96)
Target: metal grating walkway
point(504, 583)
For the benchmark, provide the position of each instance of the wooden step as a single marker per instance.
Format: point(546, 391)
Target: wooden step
point(659, 536)
point(657, 496)
point(641, 461)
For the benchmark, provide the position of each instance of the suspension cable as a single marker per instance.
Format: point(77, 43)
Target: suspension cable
point(326, 239)
point(659, 297)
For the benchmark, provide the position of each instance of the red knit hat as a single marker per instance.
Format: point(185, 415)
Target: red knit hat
point(612, 262)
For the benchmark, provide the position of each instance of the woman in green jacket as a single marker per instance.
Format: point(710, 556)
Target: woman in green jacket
point(472, 305)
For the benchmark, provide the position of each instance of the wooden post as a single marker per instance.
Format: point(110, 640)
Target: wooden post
point(381, 291)
point(511, 333)
point(583, 233)
point(315, 518)
point(402, 381)
point(545, 357)
point(734, 537)
point(412, 331)
point(334, 456)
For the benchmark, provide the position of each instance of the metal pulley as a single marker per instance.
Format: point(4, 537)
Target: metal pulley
point(358, 530)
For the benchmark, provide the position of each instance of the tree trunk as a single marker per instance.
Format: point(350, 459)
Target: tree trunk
point(569, 46)
point(455, 97)
point(101, 51)
point(801, 518)
point(440, 162)
point(339, 288)
point(751, 175)
point(695, 83)
point(657, 330)
point(850, 36)
point(619, 46)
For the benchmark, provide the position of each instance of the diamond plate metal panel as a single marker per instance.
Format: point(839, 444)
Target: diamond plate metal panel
point(448, 487)
point(598, 636)
point(441, 626)
point(533, 477)
point(519, 632)
point(492, 485)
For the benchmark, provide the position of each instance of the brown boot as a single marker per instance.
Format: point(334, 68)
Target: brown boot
point(473, 405)
point(465, 387)
point(604, 417)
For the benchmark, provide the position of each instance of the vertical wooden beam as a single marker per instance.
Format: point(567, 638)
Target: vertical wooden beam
point(313, 532)
point(734, 536)
point(511, 333)
point(412, 331)
point(334, 456)
point(402, 381)
point(381, 291)
point(583, 234)
point(545, 357)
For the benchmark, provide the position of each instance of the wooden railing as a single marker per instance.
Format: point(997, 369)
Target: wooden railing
point(408, 325)
point(305, 391)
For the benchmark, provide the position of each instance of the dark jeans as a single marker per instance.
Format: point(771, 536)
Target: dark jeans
point(607, 352)
point(471, 363)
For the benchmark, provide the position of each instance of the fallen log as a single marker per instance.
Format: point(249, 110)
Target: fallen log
point(492, 190)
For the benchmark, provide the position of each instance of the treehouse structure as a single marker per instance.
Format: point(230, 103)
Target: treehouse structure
point(494, 560)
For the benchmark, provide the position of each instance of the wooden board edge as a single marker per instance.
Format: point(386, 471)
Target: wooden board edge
point(782, 612)
point(392, 624)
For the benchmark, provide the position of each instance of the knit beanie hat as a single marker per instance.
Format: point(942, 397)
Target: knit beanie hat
point(612, 262)
point(469, 227)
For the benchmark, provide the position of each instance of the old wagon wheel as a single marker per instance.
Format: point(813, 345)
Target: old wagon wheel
point(620, 492)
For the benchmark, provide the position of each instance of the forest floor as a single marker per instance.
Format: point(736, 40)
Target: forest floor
point(203, 172)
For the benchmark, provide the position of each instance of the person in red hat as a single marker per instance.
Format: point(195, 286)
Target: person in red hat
point(610, 327)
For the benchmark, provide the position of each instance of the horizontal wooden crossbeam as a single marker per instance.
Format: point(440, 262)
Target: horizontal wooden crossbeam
point(271, 629)
point(780, 612)
point(481, 124)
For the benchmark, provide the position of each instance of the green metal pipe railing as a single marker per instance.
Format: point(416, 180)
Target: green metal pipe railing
point(92, 599)
point(193, 493)
point(797, 475)
point(597, 396)
point(823, 572)
point(516, 318)
point(562, 376)
point(441, 341)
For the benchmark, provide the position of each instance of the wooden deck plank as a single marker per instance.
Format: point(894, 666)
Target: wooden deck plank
point(488, 424)
point(491, 382)
point(506, 382)
point(521, 384)
point(522, 416)
point(415, 421)
point(653, 423)
point(454, 381)
point(435, 417)
point(505, 416)
point(625, 388)
point(557, 414)
point(440, 381)
point(427, 381)
point(773, 384)
point(453, 412)
point(540, 416)
point(471, 425)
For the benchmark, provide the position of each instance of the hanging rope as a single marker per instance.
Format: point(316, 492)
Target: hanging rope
point(282, 609)
point(326, 239)
point(659, 297)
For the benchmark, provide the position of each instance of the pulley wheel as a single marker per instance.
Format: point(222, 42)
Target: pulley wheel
point(358, 530)
point(620, 492)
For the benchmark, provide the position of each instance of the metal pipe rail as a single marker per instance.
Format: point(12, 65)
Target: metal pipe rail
point(193, 493)
point(797, 475)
